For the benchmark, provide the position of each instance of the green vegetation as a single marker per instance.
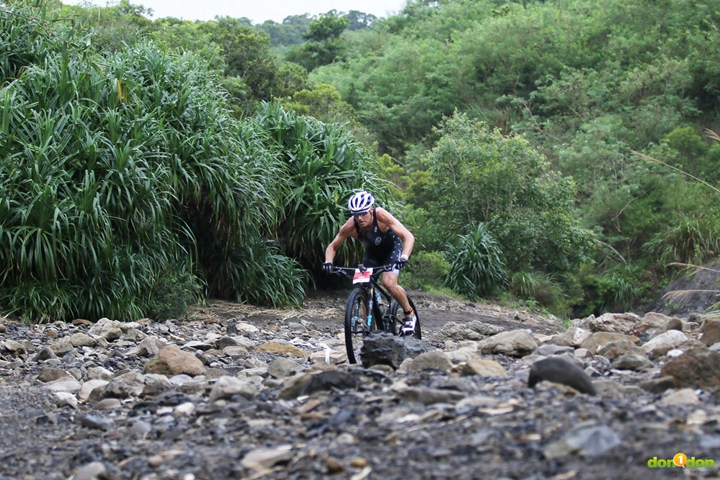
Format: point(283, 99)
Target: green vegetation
point(128, 186)
point(145, 164)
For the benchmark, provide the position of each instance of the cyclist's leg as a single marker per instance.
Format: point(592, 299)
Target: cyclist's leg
point(390, 279)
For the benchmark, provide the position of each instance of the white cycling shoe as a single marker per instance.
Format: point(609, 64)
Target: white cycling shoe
point(409, 326)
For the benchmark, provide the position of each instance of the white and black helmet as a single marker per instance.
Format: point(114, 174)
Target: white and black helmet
point(360, 202)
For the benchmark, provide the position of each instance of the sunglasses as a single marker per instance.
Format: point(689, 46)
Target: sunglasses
point(358, 215)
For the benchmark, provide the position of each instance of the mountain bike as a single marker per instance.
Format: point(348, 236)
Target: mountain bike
point(370, 308)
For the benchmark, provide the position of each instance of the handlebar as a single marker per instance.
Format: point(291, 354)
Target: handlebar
point(349, 271)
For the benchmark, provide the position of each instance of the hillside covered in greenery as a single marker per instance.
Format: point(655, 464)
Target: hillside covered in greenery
point(556, 153)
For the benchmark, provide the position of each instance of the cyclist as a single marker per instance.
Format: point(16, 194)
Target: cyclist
point(387, 242)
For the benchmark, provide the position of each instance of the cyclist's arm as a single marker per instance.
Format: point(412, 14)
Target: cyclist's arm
point(394, 224)
point(346, 231)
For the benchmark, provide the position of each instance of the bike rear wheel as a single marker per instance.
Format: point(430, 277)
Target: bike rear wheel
point(418, 332)
point(356, 323)
point(397, 323)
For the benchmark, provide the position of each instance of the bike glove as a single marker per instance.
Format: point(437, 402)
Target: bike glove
point(401, 263)
point(327, 267)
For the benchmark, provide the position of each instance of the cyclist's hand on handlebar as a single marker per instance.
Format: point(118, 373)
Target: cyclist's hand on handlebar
point(327, 267)
point(402, 262)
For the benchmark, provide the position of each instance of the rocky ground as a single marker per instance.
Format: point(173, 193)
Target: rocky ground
point(242, 392)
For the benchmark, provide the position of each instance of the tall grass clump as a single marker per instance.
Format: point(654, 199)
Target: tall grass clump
point(692, 240)
point(542, 288)
point(321, 166)
point(477, 266)
point(122, 172)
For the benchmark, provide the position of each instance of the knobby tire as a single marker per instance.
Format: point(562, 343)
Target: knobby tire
point(357, 304)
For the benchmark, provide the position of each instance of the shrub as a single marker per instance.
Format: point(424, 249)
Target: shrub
point(477, 266)
point(173, 294)
point(426, 271)
point(541, 287)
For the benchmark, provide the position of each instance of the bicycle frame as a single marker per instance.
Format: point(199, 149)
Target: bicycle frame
point(372, 287)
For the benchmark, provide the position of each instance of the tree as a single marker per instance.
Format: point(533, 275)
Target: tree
point(480, 176)
point(328, 27)
point(252, 73)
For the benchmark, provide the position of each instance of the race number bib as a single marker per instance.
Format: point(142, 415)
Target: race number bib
point(362, 277)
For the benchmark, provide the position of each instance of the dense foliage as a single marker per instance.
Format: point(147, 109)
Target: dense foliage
point(127, 183)
point(587, 85)
point(552, 151)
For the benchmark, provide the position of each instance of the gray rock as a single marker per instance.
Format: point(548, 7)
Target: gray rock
point(596, 340)
point(155, 384)
point(82, 340)
point(329, 380)
point(107, 404)
point(483, 368)
point(96, 422)
point(88, 387)
point(558, 370)
point(227, 386)
point(593, 440)
point(51, 374)
point(428, 396)
point(283, 368)
point(129, 384)
point(108, 329)
point(63, 385)
point(45, 353)
point(415, 347)
point(684, 396)
point(632, 362)
point(264, 458)
point(13, 347)
point(572, 358)
point(516, 343)
point(99, 373)
point(618, 348)
point(382, 349)
point(614, 322)
point(148, 347)
point(473, 330)
point(91, 471)
point(66, 398)
point(663, 343)
point(610, 388)
point(658, 385)
point(551, 349)
point(140, 429)
point(430, 360)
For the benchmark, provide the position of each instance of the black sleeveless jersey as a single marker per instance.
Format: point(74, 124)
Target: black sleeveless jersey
point(376, 239)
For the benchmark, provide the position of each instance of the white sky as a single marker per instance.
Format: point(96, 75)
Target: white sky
point(256, 10)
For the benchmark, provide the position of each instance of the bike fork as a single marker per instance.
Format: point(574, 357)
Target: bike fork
point(371, 306)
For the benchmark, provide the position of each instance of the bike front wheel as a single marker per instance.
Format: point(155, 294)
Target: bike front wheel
point(356, 323)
